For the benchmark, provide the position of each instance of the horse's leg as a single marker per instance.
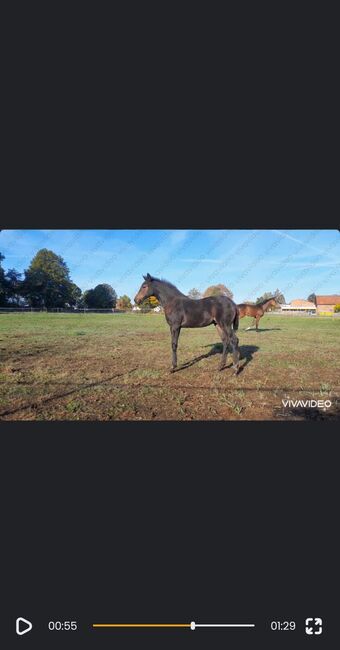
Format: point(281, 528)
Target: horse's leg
point(220, 330)
point(174, 342)
point(257, 321)
point(236, 351)
point(233, 340)
point(252, 324)
point(225, 339)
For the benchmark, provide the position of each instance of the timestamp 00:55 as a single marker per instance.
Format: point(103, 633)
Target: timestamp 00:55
point(60, 626)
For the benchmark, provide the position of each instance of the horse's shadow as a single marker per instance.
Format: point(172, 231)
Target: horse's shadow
point(262, 329)
point(314, 414)
point(247, 352)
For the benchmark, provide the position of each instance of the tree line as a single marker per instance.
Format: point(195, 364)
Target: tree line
point(47, 284)
point(218, 289)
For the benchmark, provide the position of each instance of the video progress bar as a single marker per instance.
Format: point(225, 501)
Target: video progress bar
point(141, 625)
point(191, 626)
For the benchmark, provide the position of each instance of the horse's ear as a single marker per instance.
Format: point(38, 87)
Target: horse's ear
point(147, 277)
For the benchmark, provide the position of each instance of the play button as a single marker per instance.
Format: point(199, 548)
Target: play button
point(22, 625)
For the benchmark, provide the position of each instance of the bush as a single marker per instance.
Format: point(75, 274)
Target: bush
point(218, 290)
point(124, 303)
point(101, 297)
point(337, 309)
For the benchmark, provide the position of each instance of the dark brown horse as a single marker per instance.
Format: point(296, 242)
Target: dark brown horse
point(181, 311)
point(256, 311)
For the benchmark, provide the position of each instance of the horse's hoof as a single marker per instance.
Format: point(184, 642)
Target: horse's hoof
point(172, 369)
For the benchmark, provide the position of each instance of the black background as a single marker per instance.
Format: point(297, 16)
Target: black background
point(158, 522)
point(164, 522)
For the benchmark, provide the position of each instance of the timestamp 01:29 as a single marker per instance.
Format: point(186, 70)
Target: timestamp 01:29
point(283, 626)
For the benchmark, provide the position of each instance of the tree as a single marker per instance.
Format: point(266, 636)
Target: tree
point(217, 290)
point(337, 309)
point(312, 298)
point(10, 286)
point(103, 296)
point(145, 305)
point(150, 303)
point(88, 299)
point(14, 287)
point(153, 302)
point(124, 302)
point(47, 281)
point(279, 297)
point(75, 297)
point(194, 294)
point(2, 283)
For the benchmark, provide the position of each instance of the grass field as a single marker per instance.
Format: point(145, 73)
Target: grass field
point(116, 367)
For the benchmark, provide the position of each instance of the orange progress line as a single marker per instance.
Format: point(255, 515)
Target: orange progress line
point(141, 625)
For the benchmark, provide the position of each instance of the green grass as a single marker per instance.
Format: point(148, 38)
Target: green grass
point(106, 366)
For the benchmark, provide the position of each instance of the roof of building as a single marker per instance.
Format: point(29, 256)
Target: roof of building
point(299, 302)
point(328, 300)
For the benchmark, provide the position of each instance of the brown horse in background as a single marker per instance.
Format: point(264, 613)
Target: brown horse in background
point(256, 311)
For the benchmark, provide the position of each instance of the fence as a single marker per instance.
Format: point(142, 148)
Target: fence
point(61, 310)
point(291, 312)
point(302, 314)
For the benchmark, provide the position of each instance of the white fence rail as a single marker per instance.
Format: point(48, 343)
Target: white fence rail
point(61, 310)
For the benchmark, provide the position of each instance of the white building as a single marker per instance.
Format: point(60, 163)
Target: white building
point(300, 305)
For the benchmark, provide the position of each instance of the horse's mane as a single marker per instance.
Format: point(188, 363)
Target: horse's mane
point(263, 302)
point(256, 304)
point(167, 284)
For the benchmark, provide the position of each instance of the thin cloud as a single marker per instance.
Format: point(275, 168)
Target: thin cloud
point(206, 260)
point(298, 265)
point(299, 241)
point(178, 236)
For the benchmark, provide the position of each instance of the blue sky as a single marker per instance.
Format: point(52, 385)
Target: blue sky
point(249, 262)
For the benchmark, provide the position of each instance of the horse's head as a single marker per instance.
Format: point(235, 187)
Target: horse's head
point(146, 289)
point(273, 302)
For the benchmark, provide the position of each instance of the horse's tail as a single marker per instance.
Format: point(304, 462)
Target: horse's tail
point(236, 320)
